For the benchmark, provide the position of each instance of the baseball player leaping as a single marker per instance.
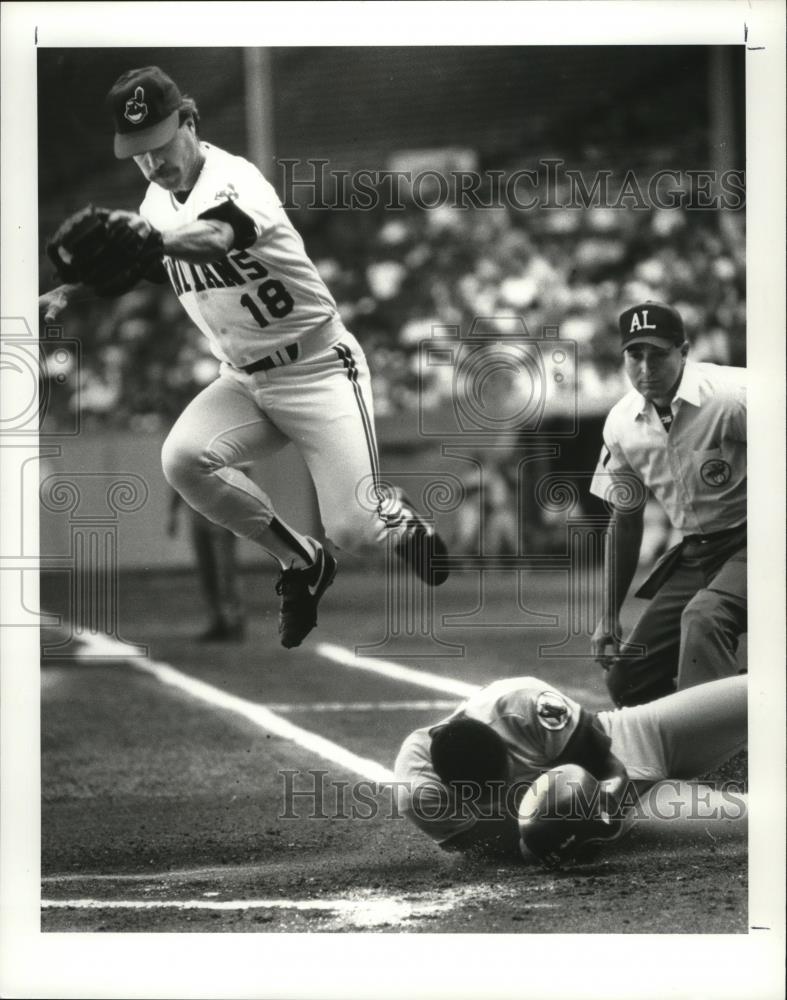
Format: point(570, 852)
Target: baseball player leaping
point(290, 370)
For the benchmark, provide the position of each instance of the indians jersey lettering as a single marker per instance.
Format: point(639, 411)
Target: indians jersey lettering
point(261, 296)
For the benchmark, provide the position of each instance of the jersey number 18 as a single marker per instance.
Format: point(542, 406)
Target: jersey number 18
point(274, 297)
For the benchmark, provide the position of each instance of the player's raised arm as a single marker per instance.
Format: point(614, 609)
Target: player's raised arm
point(199, 242)
point(196, 242)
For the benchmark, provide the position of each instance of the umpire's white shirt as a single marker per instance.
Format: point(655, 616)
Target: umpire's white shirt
point(697, 472)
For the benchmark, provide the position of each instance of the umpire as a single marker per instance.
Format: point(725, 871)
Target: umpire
point(680, 433)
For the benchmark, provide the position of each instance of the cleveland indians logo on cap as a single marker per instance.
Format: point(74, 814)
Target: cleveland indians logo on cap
point(136, 109)
point(637, 324)
point(552, 710)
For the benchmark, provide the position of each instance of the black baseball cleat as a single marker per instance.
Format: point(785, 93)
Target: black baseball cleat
point(420, 545)
point(300, 591)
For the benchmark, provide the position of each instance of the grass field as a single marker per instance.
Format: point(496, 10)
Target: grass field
point(164, 774)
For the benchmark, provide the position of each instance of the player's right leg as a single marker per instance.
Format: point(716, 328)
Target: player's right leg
point(221, 429)
point(324, 405)
point(683, 735)
point(702, 727)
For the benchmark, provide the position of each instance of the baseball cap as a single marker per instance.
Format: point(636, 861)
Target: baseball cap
point(144, 104)
point(651, 323)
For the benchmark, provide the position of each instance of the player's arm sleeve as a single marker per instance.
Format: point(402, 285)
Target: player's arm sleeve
point(247, 202)
point(589, 746)
point(245, 232)
point(555, 730)
point(434, 809)
point(423, 798)
point(539, 721)
point(614, 479)
point(738, 416)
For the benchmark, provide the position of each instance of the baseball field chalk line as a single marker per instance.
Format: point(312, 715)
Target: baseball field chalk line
point(258, 714)
point(423, 678)
point(261, 715)
point(365, 706)
point(395, 671)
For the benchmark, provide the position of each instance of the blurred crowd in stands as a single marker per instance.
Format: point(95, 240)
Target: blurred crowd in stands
point(396, 275)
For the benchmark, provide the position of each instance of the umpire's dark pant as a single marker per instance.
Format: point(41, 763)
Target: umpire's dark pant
point(689, 633)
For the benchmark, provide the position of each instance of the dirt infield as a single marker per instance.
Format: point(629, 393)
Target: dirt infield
point(164, 811)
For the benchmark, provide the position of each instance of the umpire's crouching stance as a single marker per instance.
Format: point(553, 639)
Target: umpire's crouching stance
point(681, 433)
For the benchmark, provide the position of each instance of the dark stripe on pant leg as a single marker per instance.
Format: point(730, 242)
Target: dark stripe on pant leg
point(279, 529)
point(345, 356)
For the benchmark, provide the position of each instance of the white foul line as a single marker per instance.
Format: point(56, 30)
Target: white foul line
point(435, 682)
point(363, 706)
point(395, 671)
point(258, 714)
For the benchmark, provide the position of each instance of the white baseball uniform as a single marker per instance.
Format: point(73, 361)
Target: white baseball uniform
point(264, 303)
point(680, 736)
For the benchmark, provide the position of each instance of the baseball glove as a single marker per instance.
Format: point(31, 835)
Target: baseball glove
point(109, 257)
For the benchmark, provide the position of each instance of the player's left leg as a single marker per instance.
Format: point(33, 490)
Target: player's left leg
point(219, 432)
point(684, 734)
point(215, 438)
point(703, 726)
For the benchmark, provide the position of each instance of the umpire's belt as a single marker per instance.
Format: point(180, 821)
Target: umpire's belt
point(667, 564)
point(714, 536)
point(279, 358)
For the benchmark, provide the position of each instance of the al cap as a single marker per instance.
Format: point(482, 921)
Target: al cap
point(145, 104)
point(651, 323)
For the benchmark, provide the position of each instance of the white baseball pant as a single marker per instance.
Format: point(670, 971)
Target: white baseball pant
point(682, 735)
point(323, 404)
